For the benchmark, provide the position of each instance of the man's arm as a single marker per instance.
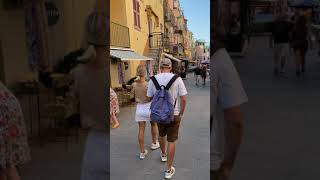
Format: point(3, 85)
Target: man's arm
point(149, 99)
point(231, 97)
point(233, 135)
point(183, 102)
point(150, 91)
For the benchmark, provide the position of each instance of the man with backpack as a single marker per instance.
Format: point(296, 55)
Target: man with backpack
point(168, 94)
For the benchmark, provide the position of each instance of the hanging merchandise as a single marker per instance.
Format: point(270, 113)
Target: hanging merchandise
point(120, 73)
point(52, 13)
point(148, 70)
point(36, 34)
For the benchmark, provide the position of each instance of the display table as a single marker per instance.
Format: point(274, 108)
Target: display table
point(125, 96)
point(30, 89)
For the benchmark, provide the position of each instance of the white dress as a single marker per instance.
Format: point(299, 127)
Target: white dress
point(143, 112)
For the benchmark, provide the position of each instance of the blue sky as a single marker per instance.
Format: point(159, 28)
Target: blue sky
point(198, 14)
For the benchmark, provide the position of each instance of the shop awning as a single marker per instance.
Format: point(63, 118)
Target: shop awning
point(128, 55)
point(171, 57)
point(184, 59)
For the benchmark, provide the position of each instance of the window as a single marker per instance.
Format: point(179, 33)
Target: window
point(136, 13)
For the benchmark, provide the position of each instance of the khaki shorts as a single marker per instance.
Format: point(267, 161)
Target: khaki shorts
point(170, 130)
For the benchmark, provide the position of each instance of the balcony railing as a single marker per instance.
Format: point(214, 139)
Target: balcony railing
point(169, 16)
point(178, 30)
point(119, 35)
point(156, 40)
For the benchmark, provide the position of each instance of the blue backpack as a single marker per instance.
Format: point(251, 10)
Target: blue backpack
point(162, 107)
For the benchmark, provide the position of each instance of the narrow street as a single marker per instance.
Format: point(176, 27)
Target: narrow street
point(192, 151)
point(281, 118)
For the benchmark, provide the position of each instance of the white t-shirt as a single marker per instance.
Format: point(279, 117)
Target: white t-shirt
point(177, 89)
point(90, 86)
point(227, 92)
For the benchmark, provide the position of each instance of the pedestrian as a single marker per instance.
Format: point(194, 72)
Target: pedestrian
point(143, 111)
point(114, 109)
point(204, 74)
point(90, 87)
point(177, 91)
point(14, 148)
point(281, 39)
point(300, 44)
point(197, 74)
point(228, 93)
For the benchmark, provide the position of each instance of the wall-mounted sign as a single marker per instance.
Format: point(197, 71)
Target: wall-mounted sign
point(52, 13)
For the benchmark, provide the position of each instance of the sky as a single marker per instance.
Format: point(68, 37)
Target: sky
point(197, 12)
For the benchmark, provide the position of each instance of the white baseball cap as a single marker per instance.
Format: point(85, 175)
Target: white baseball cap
point(165, 62)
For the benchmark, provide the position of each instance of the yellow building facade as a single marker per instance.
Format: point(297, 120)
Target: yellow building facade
point(139, 18)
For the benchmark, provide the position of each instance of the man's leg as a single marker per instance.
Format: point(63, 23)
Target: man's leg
point(162, 142)
point(162, 138)
point(154, 132)
point(173, 132)
point(171, 153)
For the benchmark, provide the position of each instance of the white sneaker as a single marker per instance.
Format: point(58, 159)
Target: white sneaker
point(144, 154)
point(155, 146)
point(163, 157)
point(169, 173)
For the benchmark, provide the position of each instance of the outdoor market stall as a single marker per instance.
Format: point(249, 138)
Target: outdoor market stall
point(121, 59)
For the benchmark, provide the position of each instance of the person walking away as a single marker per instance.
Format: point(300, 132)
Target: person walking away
point(114, 109)
point(90, 88)
point(204, 74)
point(174, 86)
point(14, 148)
point(281, 38)
point(143, 111)
point(300, 44)
point(197, 74)
point(228, 93)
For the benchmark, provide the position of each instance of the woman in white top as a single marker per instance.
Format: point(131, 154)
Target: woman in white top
point(143, 111)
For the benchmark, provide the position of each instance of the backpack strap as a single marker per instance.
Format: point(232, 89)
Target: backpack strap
point(155, 82)
point(173, 79)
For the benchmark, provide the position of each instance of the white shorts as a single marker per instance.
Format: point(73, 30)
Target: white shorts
point(143, 112)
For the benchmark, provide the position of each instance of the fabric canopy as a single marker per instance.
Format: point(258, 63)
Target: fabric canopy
point(171, 57)
point(128, 55)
